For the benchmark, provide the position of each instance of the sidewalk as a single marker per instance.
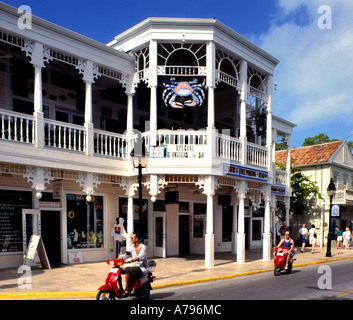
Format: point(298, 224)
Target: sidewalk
point(83, 280)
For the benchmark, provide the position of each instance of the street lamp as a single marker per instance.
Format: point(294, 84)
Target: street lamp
point(331, 189)
point(139, 162)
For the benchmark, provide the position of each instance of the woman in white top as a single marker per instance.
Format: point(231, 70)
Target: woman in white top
point(312, 238)
point(347, 237)
point(303, 233)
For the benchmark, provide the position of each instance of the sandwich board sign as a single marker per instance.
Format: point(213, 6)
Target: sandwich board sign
point(36, 247)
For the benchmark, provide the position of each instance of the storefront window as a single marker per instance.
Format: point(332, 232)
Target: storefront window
point(11, 205)
point(84, 222)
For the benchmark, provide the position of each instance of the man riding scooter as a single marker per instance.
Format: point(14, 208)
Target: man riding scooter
point(135, 264)
point(286, 243)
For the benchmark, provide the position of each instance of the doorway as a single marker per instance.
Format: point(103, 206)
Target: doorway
point(159, 249)
point(184, 246)
point(51, 235)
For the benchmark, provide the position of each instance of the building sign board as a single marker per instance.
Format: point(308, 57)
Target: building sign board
point(240, 171)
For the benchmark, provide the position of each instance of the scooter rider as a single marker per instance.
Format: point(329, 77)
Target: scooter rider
point(135, 265)
point(287, 243)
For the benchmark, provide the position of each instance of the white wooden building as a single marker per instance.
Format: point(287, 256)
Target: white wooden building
point(70, 107)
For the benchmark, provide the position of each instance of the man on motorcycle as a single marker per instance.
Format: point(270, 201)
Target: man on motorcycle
point(287, 243)
point(135, 263)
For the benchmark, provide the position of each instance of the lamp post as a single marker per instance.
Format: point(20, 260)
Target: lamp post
point(331, 189)
point(139, 161)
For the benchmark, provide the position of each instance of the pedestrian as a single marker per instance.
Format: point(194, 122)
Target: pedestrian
point(339, 237)
point(347, 237)
point(303, 233)
point(312, 237)
point(283, 229)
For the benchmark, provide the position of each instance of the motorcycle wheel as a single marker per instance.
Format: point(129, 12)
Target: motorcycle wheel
point(104, 295)
point(289, 269)
point(143, 294)
point(276, 271)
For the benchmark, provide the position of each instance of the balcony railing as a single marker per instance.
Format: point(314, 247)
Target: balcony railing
point(343, 196)
point(64, 136)
point(16, 126)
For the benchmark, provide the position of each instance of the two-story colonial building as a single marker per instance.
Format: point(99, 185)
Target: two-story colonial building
point(321, 163)
point(70, 107)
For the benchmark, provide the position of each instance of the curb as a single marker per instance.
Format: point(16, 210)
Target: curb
point(82, 294)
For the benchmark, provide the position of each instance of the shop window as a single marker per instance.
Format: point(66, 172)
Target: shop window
point(199, 220)
point(84, 222)
point(227, 223)
point(11, 205)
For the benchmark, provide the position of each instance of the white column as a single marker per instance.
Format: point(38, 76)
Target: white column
point(153, 83)
point(243, 98)
point(267, 223)
point(38, 107)
point(88, 118)
point(210, 82)
point(130, 114)
point(235, 225)
point(269, 125)
point(241, 223)
point(130, 214)
point(209, 236)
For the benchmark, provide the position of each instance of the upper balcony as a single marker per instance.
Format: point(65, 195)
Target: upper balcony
point(179, 151)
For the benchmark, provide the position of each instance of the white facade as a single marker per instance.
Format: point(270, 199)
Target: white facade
point(201, 95)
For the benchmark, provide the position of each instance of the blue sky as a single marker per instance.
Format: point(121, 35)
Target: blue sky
point(314, 78)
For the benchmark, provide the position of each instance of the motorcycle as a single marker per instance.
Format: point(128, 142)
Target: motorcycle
point(280, 261)
point(112, 289)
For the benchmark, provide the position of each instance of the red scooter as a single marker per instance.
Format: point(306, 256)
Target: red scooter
point(111, 290)
point(280, 261)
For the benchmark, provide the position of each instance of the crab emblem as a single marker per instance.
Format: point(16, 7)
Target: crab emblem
point(181, 94)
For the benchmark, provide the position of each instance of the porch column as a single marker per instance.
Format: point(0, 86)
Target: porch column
point(209, 236)
point(235, 224)
point(153, 82)
point(243, 98)
point(130, 114)
point(267, 222)
point(269, 125)
point(88, 78)
point(130, 213)
point(210, 62)
point(241, 223)
point(37, 60)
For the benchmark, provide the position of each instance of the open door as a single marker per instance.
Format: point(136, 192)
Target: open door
point(160, 243)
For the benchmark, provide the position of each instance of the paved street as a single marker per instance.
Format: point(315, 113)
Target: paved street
point(82, 280)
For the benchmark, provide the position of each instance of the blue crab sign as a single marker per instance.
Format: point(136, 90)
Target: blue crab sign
point(183, 94)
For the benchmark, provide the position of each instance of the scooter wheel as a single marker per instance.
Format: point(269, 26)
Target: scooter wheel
point(289, 269)
point(144, 294)
point(104, 295)
point(276, 271)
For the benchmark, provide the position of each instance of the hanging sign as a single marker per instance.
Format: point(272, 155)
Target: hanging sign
point(335, 211)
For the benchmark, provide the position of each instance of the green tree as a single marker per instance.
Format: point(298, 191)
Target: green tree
point(318, 139)
point(303, 190)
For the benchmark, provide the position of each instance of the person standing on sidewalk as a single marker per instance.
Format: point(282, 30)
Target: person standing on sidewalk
point(303, 233)
point(339, 237)
point(347, 237)
point(312, 237)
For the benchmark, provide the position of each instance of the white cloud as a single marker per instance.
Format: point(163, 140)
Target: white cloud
point(315, 74)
